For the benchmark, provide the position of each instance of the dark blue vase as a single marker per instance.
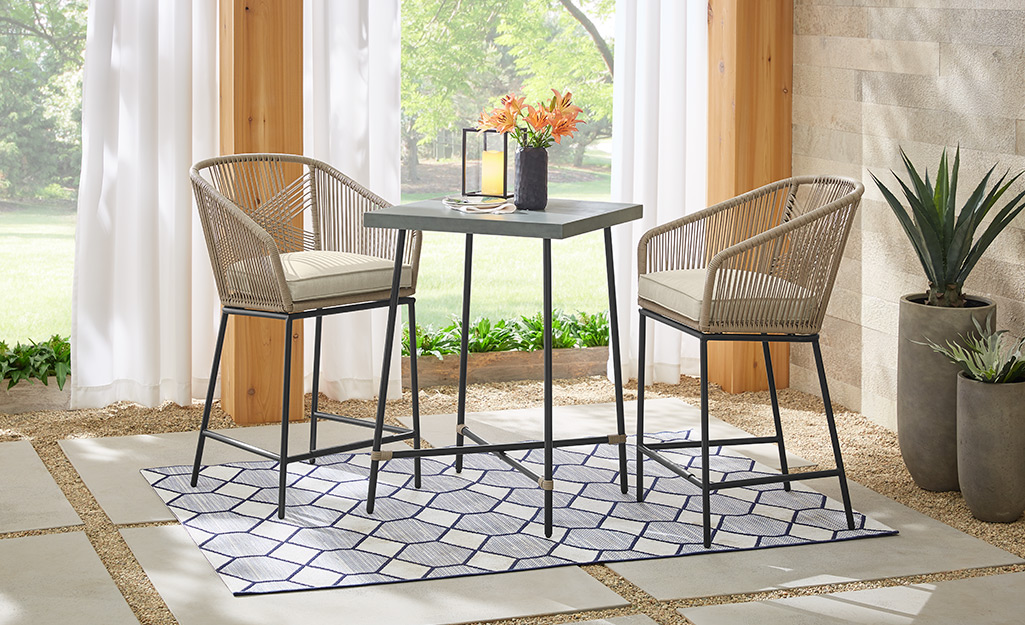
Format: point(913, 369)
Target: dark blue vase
point(531, 186)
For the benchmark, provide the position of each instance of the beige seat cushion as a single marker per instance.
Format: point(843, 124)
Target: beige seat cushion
point(682, 290)
point(316, 274)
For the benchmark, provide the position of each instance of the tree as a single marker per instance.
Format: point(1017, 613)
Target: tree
point(559, 48)
point(451, 67)
point(459, 57)
point(41, 45)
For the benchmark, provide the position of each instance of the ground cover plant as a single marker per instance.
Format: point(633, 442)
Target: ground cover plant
point(523, 334)
point(36, 360)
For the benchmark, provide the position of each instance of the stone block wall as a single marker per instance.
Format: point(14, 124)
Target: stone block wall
point(872, 75)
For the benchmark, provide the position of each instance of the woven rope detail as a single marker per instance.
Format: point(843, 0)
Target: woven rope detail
point(255, 207)
point(771, 255)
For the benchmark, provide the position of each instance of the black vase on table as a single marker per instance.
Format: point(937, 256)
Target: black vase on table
point(531, 185)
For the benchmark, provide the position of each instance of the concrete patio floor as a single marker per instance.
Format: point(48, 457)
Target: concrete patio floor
point(57, 577)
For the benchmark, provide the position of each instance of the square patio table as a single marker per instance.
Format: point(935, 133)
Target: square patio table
point(561, 219)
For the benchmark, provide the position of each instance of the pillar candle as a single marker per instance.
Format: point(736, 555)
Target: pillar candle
point(492, 172)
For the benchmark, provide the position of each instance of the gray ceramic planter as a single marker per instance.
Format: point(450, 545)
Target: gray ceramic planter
point(991, 448)
point(531, 182)
point(927, 388)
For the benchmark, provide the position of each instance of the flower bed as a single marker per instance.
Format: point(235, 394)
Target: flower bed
point(35, 376)
point(509, 350)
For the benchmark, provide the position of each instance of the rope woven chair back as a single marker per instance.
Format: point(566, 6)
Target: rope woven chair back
point(771, 255)
point(255, 207)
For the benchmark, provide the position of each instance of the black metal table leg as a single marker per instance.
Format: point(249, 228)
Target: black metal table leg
point(286, 387)
point(316, 386)
point(389, 340)
point(617, 371)
point(641, 330)
point(209, 398)
point(548, 483)
point(461, 405)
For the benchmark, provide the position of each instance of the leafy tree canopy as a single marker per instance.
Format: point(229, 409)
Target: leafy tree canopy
point(460, 57)
point(41, 46)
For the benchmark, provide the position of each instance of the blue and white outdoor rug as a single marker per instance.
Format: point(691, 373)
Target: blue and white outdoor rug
point(487, 519)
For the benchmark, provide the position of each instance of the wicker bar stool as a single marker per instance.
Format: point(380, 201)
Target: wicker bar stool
point(759, 267)
point(286, 241)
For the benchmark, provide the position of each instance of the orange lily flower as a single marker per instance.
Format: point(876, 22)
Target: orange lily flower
point(561, 103)
point(537, 118)
point(564, 126)
point(513, 104)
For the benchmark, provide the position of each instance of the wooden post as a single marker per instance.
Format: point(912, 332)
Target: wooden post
point(750, 54)
point(261, 61)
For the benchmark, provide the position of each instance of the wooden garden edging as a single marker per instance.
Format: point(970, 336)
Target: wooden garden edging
point(33, 396)
point(574, 362)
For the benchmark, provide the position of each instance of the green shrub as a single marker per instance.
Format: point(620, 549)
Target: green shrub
point(485, 337)
point(593, 330)
point(432, 342)
point(36, 360)
point(524, 334)
point(530, 332)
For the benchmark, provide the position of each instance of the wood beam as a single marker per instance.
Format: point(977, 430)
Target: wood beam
point(750, 77)
point(261, 62)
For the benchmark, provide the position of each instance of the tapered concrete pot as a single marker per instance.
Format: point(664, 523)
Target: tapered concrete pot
point(927, 387)
point(991, 448)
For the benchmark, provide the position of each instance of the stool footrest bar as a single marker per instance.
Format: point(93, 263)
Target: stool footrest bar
point(715, 442)
point(217, 436)
point(360, 422)
point(783, 478)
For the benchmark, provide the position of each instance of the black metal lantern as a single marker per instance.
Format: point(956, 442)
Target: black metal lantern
point(485, 166)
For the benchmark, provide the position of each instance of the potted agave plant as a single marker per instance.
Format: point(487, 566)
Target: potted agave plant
point(944, 238)
point(543, 124)
point(990, 422)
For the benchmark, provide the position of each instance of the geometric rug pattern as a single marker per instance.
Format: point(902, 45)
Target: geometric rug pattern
point(486, 519)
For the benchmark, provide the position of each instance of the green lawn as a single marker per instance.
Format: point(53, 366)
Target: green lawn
point(507, 270)
point(37, 257)
point(37, 250)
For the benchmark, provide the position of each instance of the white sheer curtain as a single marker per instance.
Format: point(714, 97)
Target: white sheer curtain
point(143, 299)
point(659, 154)
point(145, 311)
point(351, 120)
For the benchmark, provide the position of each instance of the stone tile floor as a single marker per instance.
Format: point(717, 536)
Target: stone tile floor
point(58, 578)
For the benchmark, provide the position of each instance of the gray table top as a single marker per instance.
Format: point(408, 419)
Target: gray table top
point(560, 220)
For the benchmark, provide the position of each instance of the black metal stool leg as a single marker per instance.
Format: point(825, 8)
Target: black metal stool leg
point(706, 510)
point(209, 399)
point(617, 371)
point(547, 484)
point(640, 406)
point(414, 388)
point(382, 393)
point(461, 404)
point(775, 414)
point(844, 492)
point(283, 459)
point(316, 386)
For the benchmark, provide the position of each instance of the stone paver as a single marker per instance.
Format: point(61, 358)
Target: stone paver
point(110, 466)
point(660, 415)
point(196, 596)
point(924, 545)
point(993, 600)
point(29, 498)
point(57, 578)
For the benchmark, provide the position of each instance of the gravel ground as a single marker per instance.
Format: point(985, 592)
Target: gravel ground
point(871, 455)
